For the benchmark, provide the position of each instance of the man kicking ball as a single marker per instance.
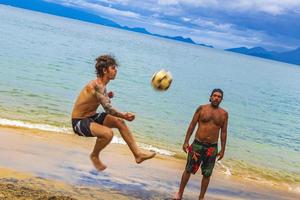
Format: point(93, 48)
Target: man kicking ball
point(87, 122)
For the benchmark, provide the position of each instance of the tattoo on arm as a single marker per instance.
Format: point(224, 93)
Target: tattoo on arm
point(105, 102)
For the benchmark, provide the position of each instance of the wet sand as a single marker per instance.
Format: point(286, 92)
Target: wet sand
point(56, 166)
point(21, 185)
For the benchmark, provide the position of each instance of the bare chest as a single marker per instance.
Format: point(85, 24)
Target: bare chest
point(214, 117)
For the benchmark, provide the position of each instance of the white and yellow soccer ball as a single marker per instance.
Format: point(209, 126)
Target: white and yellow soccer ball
point(161, 80)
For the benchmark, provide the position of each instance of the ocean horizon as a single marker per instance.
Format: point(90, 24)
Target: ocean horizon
point(46, 60)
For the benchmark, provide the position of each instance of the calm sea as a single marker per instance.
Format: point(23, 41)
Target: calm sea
point(46, 60)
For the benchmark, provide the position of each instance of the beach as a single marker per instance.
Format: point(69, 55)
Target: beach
point(45, 62)
point(43, 165)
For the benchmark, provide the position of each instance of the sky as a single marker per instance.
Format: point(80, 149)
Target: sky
point(272, 24)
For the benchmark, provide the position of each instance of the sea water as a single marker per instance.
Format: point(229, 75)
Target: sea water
point(45, 61)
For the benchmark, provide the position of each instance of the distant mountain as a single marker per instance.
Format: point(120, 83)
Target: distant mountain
point(55, 9)
point(59, 10)
point(292, 57)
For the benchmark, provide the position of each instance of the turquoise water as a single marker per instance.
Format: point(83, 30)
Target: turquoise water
point(46, 60)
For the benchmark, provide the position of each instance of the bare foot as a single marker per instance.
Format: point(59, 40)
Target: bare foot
point(97, 163)
point(144, 156)
point(177, 196)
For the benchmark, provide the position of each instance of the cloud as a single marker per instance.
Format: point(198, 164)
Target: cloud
point(219, 35)
point(273, 7)
point(233, 38)
point(222, 23)
point(198, 3)
point(209, 24)
point(168, 26)
point(186, 19)
point(96, 7)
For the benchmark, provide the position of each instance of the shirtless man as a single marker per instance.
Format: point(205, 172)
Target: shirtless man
point(87, 122)
point(211, 119)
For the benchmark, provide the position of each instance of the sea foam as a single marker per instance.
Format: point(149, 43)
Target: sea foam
point(118, 140)
point(46, 127)
point(43, 127)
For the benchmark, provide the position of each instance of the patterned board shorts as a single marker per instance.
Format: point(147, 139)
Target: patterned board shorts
point(204, 154)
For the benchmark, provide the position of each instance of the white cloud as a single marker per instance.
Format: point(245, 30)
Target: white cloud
point(176, 17)
point(219, 35)
point(188, 2)
point(222, 40)
point(273, 7)
point(209, 24)
point(167, 2)
point(168, 26)
point(110, 11)
point(186, 19)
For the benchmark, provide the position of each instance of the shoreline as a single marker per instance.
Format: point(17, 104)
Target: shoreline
point(64, 158)
point(244, 169)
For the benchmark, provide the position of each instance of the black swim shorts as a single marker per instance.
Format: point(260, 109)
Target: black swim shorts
point(82, 126)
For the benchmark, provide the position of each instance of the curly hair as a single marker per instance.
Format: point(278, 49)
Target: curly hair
point(103, 62)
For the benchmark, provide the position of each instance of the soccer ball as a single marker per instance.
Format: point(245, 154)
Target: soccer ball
point(161, 80)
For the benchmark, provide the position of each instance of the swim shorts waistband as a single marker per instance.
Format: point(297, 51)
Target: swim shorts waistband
point(207, 144)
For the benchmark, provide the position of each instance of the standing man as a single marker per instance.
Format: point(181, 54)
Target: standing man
point(87, 122)
point(211, 119)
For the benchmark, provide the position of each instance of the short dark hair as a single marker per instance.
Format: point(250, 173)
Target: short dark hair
point(217, 90)
point(103, 62)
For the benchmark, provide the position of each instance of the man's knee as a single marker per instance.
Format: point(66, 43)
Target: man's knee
point(206, 173)
point(109, 134)
point(206, 176)
point(120, 123)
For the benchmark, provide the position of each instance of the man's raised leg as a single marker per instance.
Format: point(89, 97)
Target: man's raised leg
point(114, 122)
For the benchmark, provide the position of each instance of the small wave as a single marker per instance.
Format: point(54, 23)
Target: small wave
point(43, 127)
point(46, 127)
point(262, 175)
point(295, 189)
point(118, 140)
point(227, 170)
point(157, 150)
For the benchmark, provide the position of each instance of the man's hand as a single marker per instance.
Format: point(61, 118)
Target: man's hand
point(220, 155)
point(129, 116)
point(185, 146)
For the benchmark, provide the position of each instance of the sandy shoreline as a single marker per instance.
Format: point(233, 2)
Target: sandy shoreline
point(43, 159)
